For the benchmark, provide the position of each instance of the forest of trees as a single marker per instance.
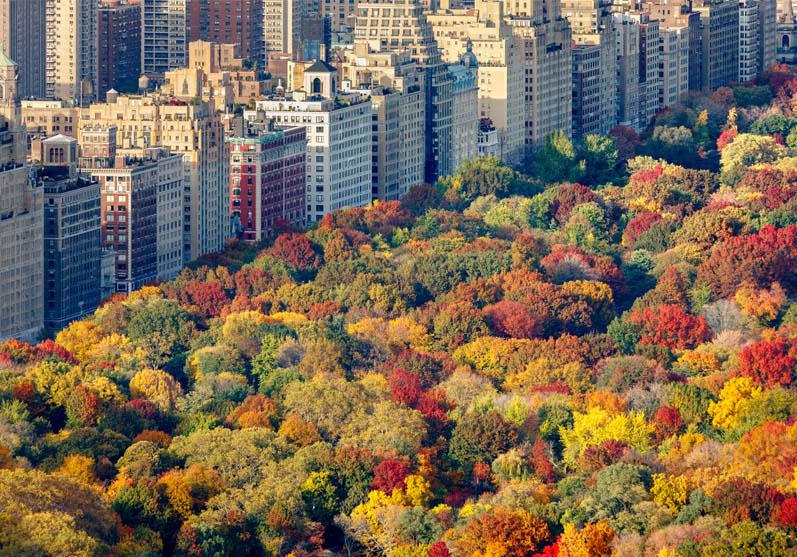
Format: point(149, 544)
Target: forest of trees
point(592, 354)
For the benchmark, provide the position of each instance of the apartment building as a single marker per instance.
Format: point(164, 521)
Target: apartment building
point(164, 36)
point(72, 251)
point(22, 37)
point(282, 27)
point(719, 41)
point(483, 34)
point(674, 65)
point(402, 25)
point(192, 129)
point(338, 140)
point(587, 106)
point(118, 46)
point(548, 68)
point(593, 25)
point(268, 168)
point(465, 120)
point(71, 50)
point(395, 85)
point(46, 118)
point(141, 207)
point(238, 22)
point(627, 43)
point(21, 222)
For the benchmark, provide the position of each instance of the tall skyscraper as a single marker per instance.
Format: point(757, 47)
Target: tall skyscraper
point(22, 37)
point(119, 46)
point(483, 33)
point(71, 49)
point(401, 25)
point(464, 120)
point(237, 22)
point(21, 222)
point(72, 251)
point(164, 36)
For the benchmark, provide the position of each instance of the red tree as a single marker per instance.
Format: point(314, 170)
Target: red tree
point(726, 137)
point(513, 319)
point(389, 475)
point(769, 362)
point(787, 514)
point(638, 226)
point(670, 326)
point(207, 297)
point(296, 250)
point(540, 461)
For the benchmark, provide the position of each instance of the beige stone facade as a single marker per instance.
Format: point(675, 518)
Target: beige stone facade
point(395, 85)
point(188, 127)
point(483, 32)
point(71, 49)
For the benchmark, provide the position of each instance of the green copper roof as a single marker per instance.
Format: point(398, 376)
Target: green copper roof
point(5, 60)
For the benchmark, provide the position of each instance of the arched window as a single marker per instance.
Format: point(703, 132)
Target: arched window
point(785, 41)
point(316, 85)
point(2, 92)
point(185, 87)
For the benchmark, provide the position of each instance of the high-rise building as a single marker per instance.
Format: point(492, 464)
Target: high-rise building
point(189, 128)
point(401, 25)
point(22, 37)
point(237, 22)
point(676, 15)
point(465, 120)
point(267, 179)
point(71, 49)
point(587, 106)
point(548, 56)
point(592, 24)
point(749, 24)
point(338, 140)
point(719, 41)
point(341, 13)
point(72, 251)
point(395, 84)
point(21, 222)
point(141, 200)
point(164, 36)
point(674, 62)
point(767, 33)
point(282, 27)
point(119, 46)
point(483, 34)
point(649, 62)
point(626, 32)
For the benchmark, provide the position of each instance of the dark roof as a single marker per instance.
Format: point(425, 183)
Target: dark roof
point(320, 67)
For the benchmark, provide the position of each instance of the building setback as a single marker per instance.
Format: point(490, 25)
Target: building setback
point(267, 180)
point(72, 251)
